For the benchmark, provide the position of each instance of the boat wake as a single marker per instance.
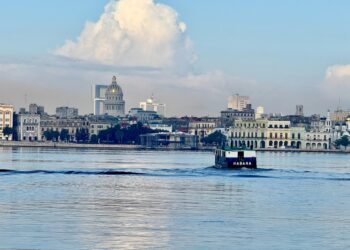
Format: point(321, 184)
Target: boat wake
point(260, 173)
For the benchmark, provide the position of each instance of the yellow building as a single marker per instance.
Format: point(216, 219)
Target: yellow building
point(6, 120)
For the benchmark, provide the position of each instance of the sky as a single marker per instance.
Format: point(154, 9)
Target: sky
point(190, 54)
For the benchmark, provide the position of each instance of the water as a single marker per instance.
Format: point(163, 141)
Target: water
point(94, 199)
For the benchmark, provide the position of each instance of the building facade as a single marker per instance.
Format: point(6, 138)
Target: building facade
point(36, 109)
point(6, 120)
point(262, 133)
point(114, 103)
point(173, 140)
point(238, 102)
point(202, 128)
point(48, 123)
point(230, 115)
point(98, 96)
point(28, 127)
point(67, 112)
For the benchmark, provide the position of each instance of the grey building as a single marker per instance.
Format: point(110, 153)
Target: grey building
point(66, 112)
point(28, 127)
point(228, 116)
point(54, 123)
point(176, 140)
point(36, 109)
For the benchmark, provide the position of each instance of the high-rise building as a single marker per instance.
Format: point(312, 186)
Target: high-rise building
point(6, 120)
point(238, 102)
point(98, 95)
point(151, 105)
point(114, 103)
point(299, 110)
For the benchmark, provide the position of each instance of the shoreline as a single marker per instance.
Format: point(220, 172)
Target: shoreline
point(4, 144)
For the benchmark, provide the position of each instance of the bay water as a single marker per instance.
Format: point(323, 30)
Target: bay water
point(119, 199)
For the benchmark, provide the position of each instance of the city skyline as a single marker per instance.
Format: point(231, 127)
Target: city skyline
point(287, 58)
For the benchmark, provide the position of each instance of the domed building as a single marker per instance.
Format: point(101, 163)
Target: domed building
point(114, 103)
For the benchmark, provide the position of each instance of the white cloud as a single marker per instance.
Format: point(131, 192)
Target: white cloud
point(336, 73)
point(134, 33)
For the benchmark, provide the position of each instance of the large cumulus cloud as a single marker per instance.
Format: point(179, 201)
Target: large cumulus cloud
point(133, 33)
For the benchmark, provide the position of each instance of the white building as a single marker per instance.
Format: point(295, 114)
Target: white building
point(114, 103)
point(201, 128)
point(99, 95)
point(28, 127)
point(259, 111)
point(95, 127)
point(6, 120)
point(238, 102)
point(151, 105)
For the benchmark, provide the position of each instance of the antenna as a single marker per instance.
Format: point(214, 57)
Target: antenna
point(25, 99)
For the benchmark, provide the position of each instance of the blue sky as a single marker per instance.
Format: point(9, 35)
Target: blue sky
point(289, 43)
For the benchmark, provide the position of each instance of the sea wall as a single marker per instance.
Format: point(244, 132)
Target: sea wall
point(65, 145)
point(138, 147)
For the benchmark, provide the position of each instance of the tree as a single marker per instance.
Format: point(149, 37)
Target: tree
point(94, 139)
point(343, 141)
point(216, 138)
point(82, 135)
point(64, 135)
point(7, 132)
point(129, 135)
point(51, 135)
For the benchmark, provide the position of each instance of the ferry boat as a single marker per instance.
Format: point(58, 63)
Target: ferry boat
point(228, 157)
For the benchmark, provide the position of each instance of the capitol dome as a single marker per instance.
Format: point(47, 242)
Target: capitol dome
point(114, 103)
point(114, 88)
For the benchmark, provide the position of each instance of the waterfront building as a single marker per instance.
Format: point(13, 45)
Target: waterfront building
point(228, 116)
point(98, 96)
point(151, 105)
point(348, 124)
point(114, 103)
point(28, 127)
point(175, 140)
point(66, 112)
point(249, 133)
point(6, 120)
point(48, 123)
point(95, 127)
point(202, 127)
point(263, 133)
point(238, 102)
point(317, 140)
